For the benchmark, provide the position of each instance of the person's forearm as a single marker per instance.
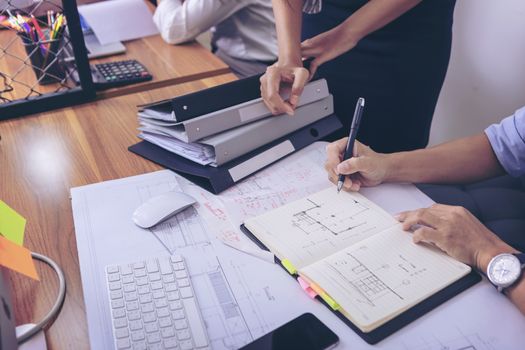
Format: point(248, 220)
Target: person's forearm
point(376, 14)
point(288, 20)
point(465, 160)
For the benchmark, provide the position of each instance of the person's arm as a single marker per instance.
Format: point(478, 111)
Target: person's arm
point(181, 21)
point(289, 67)
point(369, 18)
point(465, 160)
point(459, 234)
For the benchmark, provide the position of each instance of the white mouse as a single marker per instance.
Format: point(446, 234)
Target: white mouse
point(159, 208)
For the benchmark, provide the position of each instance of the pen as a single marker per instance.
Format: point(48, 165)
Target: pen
point(359, 107)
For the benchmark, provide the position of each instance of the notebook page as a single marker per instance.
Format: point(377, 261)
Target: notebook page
point(319, 225)
point(380, 277)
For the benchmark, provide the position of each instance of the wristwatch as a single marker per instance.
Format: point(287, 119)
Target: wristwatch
point(505, 269)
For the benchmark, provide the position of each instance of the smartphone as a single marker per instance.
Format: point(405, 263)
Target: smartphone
point(305, 332)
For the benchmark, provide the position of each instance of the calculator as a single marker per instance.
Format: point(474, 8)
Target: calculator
point(118, 73)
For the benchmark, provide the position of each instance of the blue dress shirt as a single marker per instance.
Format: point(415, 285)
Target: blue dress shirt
point(508, 142)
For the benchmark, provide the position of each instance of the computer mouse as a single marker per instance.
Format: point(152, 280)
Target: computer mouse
point(160, 208)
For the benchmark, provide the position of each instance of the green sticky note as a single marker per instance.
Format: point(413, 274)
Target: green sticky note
point(12, 224)
point(288, 266)
point(333, 304)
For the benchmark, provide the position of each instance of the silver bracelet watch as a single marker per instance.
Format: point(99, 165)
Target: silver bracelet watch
point(505, 269)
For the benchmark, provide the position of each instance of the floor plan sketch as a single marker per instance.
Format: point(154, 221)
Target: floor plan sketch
point(456, 340)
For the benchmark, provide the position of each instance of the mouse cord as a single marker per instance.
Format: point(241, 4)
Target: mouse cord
point(48, 319)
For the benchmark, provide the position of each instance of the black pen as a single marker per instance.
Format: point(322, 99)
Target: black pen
point(358, 113)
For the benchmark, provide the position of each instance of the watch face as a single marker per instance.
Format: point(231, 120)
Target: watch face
point(504, 270)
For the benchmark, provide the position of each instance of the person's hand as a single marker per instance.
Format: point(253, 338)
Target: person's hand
point(327, 46)
point(365, 168)
point(455, 231)
point(279, 77)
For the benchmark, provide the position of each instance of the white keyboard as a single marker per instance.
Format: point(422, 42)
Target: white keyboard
point(153, 306)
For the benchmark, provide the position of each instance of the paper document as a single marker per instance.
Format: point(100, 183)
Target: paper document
point(243, 297)
point(119, 20)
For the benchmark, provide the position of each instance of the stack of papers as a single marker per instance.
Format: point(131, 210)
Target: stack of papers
point(223, 135)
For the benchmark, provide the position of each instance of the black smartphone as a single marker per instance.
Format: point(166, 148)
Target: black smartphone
point(305, 332)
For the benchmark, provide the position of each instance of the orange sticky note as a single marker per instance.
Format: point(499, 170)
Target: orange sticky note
point(17, 258)
point(12, 225)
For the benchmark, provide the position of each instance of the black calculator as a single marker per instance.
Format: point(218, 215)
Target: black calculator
point(118, 73)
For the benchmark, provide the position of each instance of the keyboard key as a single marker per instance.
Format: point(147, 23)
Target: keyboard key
point(183, 335)
point(140, 272)
point(129, 288)
point(170, 343)
point(155, 285)
point(126, 270)
point(168, 278)
point(112, 269)
point(141, 345)
point(139, 265)
point(143, 289)
point(167, 332)
point(117, 294)
point(148, 307)
point(118, 313)
point(155, 276)
point(158, 294)
point(135, 325)
point(127, 279)
point(176, 258)
point(170, 287)
point(132, 305)
point(178, 266)
point(120, 322)
point(173, 295)
point(115, 304)
point(165, 322)
point(151, 327)
point(149, 317)
point(121, 333)
point(181, 324)
point(163, 312)
point(183, 282)
point(123, 344)
point(186, 292)
point(142, 281)
point(175, 305)
point(131, 296)
point(160, 303)
point(181, 274)
point(153, 338)
point(145, 298)
point(114, 277)
point(178, 314)
point(138, 335)
point(186, 345)
point(134, 315)
point(155, 346)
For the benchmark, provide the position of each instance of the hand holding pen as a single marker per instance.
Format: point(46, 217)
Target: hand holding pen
point(358, 113)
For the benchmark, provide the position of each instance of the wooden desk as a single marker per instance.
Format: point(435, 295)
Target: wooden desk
point(41, 158)
point(169, 65)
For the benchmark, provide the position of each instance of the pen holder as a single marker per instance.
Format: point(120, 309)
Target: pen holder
point(45, 61)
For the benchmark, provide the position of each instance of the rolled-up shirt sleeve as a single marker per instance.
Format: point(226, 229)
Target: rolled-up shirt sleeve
point(508, 142)
point(179, 21)
point(312, 6)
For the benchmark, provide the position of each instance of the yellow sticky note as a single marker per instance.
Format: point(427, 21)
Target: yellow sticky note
point(335, 306)
point(17, 258)
point(12, 224)
point(317, 289)
point(289, 266)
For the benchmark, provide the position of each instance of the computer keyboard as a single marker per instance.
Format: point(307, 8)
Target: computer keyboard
point(153, 306)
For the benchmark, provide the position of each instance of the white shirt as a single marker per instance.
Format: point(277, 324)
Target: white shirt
point(243, 29)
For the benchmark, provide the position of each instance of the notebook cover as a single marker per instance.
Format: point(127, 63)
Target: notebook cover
point(410, 315)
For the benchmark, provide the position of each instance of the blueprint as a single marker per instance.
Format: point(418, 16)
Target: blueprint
point(241, 296)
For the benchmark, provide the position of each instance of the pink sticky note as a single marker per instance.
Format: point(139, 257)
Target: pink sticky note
point(306, 287)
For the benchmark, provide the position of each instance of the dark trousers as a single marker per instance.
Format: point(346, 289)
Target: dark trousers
point(499, 203)
point(398, 69)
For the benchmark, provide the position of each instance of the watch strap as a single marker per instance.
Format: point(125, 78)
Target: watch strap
point(521, 258)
